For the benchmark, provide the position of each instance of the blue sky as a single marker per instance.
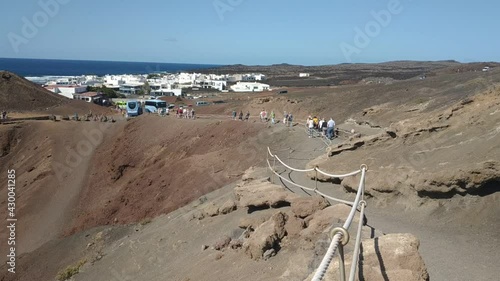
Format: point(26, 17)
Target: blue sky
point(251, 31)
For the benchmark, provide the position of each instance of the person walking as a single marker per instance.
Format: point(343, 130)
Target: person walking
point(310, 126)
point(273, 117)
point(290, 120)
point(234, 114)
point(285, 118)
point(330, 129)
point(323, 127)
point(241, 115)
point(247, 116)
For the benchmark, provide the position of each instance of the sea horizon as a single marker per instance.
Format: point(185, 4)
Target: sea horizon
point(27, 67)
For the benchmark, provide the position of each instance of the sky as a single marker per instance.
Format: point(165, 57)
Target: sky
point(252, 32)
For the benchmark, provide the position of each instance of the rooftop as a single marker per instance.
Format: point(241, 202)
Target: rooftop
point(90, 94)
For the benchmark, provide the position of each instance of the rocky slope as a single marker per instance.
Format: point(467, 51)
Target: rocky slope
point(454, 151)
point(253, 231)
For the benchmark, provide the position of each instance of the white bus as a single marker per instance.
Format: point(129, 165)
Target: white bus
point(153, 106)
point(134, 108)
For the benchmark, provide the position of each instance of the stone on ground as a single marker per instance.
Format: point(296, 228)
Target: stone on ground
point(306, 206)
point(267, 236)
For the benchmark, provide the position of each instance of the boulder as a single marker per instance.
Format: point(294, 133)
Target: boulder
point(222, 243)
point(267, 236)
point(253, 221)
point(228, 207)
point(254, 173)
point(236, 244)
point(268, 254)
point(306, 206)
point(390, 257)
point(211, 210)
point(263, 195)
point(322, 220)
point(294, 225)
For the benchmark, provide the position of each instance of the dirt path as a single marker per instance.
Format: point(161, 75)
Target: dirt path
point(454, 244)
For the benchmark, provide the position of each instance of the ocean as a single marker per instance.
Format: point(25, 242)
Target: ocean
point(49, 67)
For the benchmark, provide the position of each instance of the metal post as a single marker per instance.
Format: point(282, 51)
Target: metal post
point(316, 178)
point(341, 262)
point(274, 169)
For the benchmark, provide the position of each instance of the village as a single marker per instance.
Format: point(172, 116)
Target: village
point(96, 89)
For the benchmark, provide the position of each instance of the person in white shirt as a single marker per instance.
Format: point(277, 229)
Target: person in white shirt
point(330, 129)
point(310, 126)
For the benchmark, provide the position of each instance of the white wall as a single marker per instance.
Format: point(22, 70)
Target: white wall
point(249, 87)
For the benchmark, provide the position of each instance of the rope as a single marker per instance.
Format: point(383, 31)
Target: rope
point(309, 189)
point(293, 169)
point(269, 151)
point(339, 176)
point(313, 169)
point(320, 273)
point(357, 245)
point(339, 233)
point(361, 188)
point(327, 259)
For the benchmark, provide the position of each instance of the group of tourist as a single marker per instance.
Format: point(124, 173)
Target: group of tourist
point(264, 117)
point(185, 113)
point(326, 128)
point(94, 117)
point(236, 116)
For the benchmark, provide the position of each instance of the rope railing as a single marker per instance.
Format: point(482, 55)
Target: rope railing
point(308, 188)
point(342, 232)
point(340, 235)
point(314, 169)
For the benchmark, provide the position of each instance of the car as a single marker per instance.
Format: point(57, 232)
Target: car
point(283, 92)
point(218, 101)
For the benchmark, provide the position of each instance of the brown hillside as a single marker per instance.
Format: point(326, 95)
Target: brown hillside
point(156, 165)
point(19, 94)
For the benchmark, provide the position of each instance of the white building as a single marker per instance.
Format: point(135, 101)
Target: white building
point(131, 89)
point(253, 77)
point(250, 87)
point(89, 97)
point(66, 90)
point(158, 89)
point(211, 84)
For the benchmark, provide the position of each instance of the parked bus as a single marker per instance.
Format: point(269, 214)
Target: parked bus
point(134, 108)
point(153, 106)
